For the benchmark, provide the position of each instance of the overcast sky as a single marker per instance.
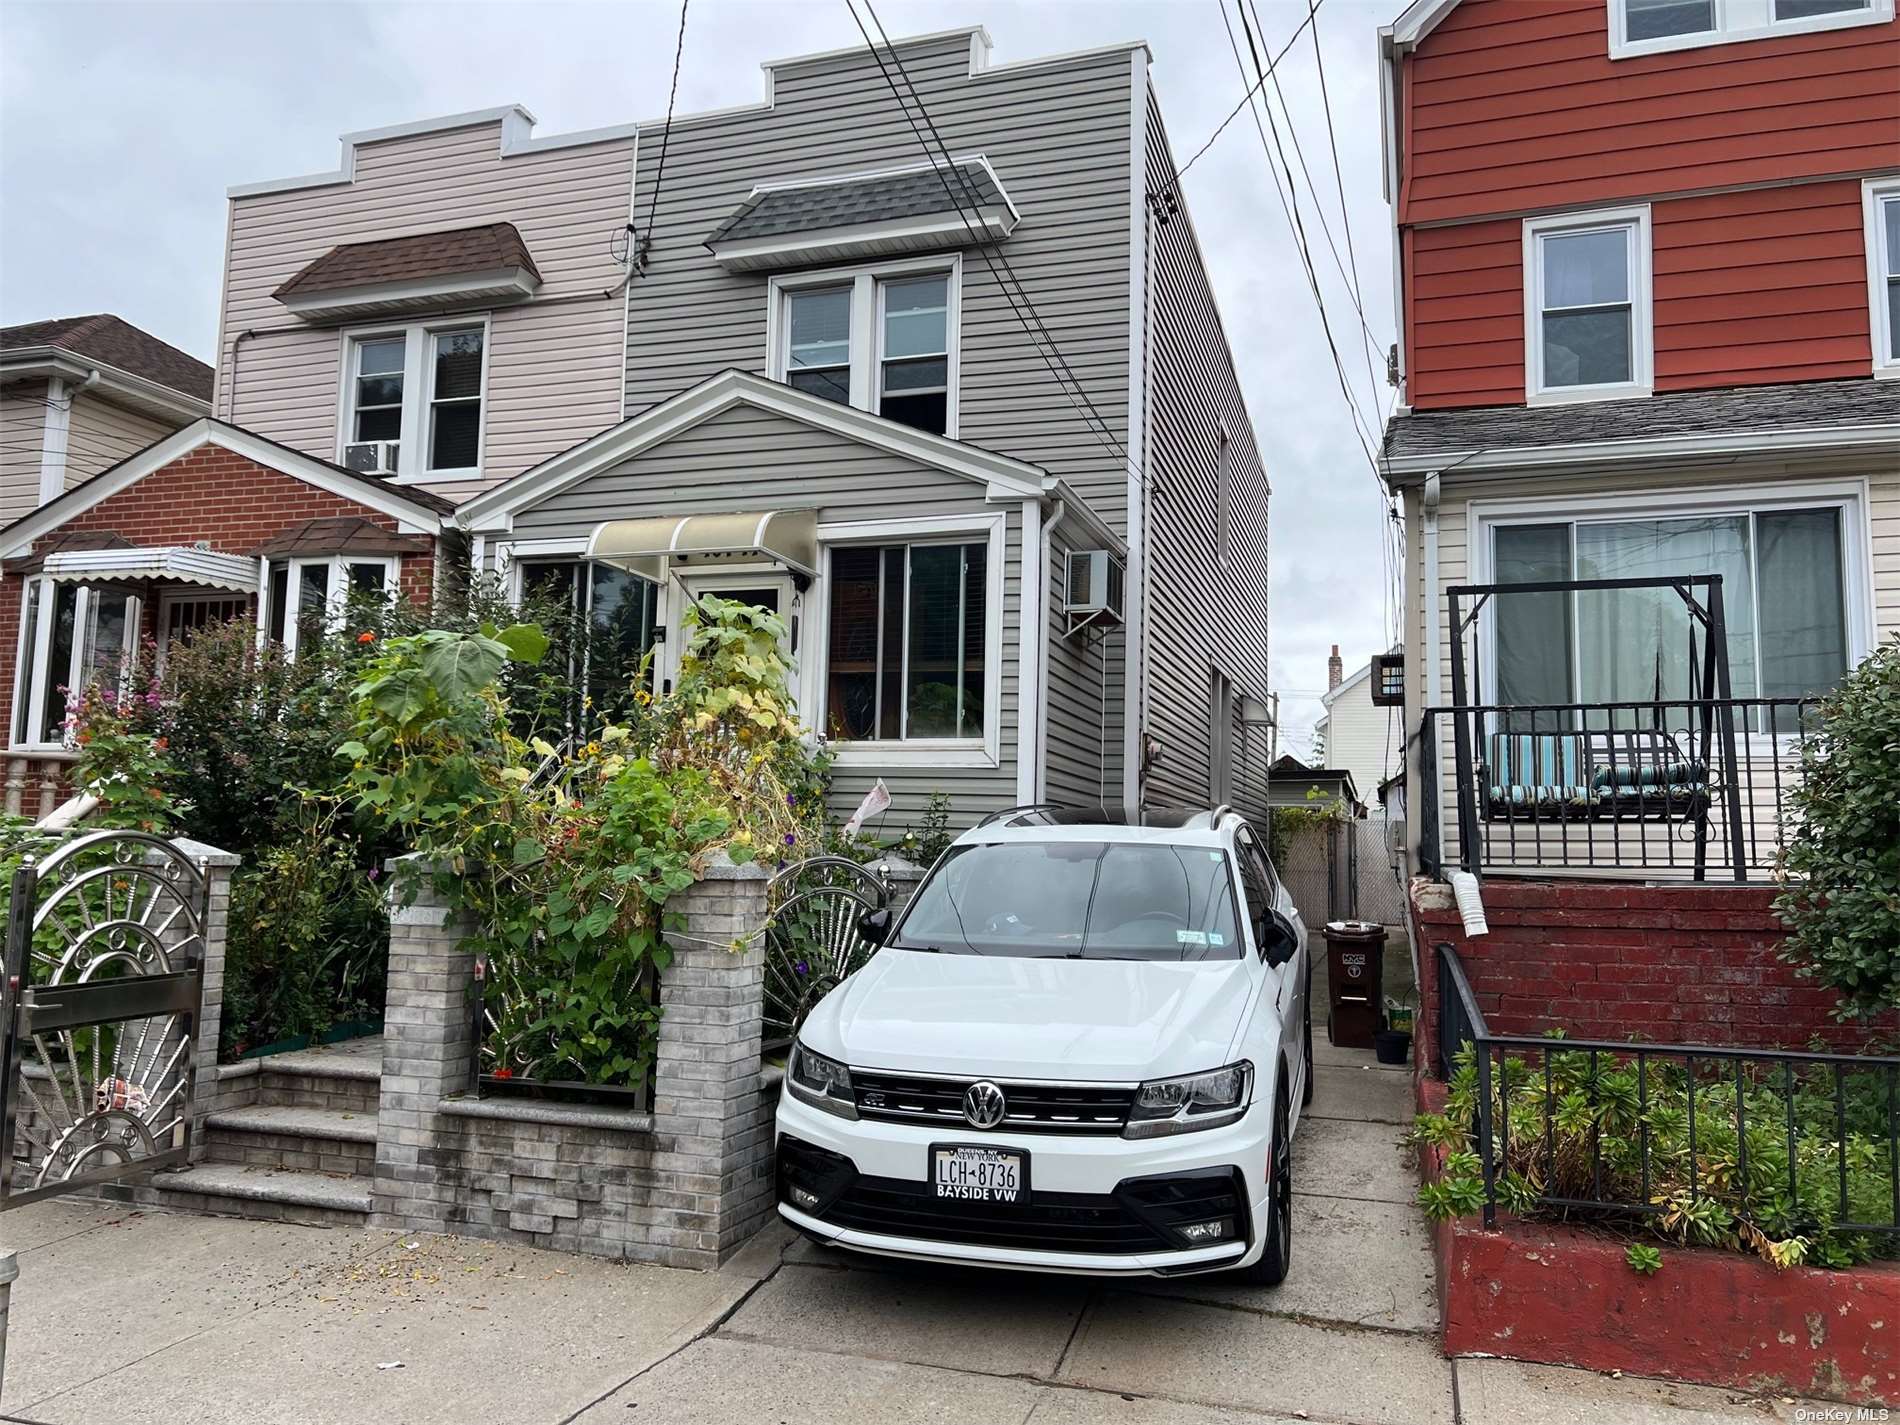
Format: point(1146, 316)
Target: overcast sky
point(122, 125)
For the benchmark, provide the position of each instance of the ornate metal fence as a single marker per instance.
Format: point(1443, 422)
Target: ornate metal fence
point(104, 982)
point(812, 939)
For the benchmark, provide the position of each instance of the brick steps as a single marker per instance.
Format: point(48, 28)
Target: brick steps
point(326, 1140)
point(267, 1194)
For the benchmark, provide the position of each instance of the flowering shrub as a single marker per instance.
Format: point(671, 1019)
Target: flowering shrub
point(126, 767)
point(563, 856)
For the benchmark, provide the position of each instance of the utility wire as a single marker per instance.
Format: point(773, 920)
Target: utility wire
point(1000, 269)
point(666, 137)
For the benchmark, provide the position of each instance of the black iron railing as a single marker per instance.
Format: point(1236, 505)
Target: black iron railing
point(1695, 787)
point(1716, 1141)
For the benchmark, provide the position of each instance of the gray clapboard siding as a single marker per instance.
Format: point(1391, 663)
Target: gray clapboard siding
point(1203, 612)
point(1082, 761)
point(553, 375)
point(22, 428)
point(748, 459)
point(1058, 137)
point(102, 434)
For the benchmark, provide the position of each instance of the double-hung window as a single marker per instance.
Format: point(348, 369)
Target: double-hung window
point(1587, 332)
point(420, 389)
point(881, 339)
point(907, 650)
point(1882, 200)
point(304, 598)
point(71, 636)
point(1653, 26)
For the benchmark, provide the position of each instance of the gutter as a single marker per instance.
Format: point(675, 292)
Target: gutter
point(1049, 527)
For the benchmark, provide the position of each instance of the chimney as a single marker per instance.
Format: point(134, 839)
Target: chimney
point(1334, 669)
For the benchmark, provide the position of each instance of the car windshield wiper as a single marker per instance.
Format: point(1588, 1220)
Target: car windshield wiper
point(922, 949)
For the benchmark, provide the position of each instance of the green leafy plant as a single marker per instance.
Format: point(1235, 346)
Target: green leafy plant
point(931, 837)
point(1780, 1155)
point(1644, 1261)
point(1841, 896)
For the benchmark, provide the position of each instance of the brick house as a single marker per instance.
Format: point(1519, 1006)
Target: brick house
point(209, 523)
point(1647, 255)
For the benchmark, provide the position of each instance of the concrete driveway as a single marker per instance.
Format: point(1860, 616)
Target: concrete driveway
point(146, 1317)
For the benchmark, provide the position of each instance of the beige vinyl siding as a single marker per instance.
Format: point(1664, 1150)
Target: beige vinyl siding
point(1882, 574)
point(553, 375)
point(1364, 739)
point(1203, 613)
point(103, 434)
point(1058, 137)
point(22, 427)
point(748, 459)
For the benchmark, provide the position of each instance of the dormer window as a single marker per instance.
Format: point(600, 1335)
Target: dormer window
point(1586, 306)
point(1655, 26)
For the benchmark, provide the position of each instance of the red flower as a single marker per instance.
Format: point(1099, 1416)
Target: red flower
point(365, 637)
point(503, 1073)
point(160, 743)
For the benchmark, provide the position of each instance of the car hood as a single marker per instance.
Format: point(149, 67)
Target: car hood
point(1054, 1019)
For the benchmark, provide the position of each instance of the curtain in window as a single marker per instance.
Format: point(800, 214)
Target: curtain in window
point(1534, 654)
point(1803, 604)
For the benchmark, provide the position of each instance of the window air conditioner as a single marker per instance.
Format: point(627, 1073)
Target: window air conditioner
point(1095, 588)
point(372, 457)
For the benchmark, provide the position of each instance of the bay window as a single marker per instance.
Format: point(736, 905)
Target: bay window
point(419, 387)
point(71, 636)
point(305, 598)
point(907, 646)
point(881, 339)
point(1784, 594)
point(1587, 306)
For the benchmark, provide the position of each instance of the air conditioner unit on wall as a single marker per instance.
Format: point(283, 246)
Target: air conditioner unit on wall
point(372, 457)
point(1094, 596)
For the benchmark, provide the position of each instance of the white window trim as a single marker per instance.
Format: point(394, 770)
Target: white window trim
point(27, 681)
point(1642, 324)
point(1851, 497)
point(1886, 344)
point(418, 392)
point(338, 586)
point(171, 598)
point(867, 327)
point(1736, 21)
point(948, 752)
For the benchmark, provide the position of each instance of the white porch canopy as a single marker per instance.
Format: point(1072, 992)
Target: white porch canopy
point(648, 547)
point(183, 562)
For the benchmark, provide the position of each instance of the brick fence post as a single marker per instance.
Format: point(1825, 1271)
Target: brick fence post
point(217, 867)
point(428, 1046)
point(711, 1116)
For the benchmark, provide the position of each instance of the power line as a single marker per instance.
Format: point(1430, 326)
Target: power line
point(1012, 288)
point(666, 138)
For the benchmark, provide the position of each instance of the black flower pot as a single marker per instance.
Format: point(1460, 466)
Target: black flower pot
point(1393, 1046)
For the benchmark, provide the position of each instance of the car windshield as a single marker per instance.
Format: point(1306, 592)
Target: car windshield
point(1094, 900)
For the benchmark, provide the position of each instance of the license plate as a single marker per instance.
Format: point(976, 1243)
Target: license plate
point(980, 1175)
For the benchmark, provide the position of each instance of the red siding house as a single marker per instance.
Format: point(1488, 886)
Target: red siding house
point(209, 523)
point(1647, 262)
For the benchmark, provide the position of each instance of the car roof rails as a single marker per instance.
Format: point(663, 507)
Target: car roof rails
point(1052, 814)
point(1187, 817)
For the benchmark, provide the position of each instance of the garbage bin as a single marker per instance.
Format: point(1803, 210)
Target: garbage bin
point(1355, 982)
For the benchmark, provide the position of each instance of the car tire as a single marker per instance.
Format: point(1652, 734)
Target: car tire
point(1277, 1255)
point(1306, 1086)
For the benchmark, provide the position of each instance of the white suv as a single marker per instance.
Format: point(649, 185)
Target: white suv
point(1083, 1048)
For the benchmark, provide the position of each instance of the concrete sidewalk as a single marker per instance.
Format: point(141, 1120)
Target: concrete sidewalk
point(144, 1317)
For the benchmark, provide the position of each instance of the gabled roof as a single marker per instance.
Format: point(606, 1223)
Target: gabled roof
point(115, 342)
point(415, 510)
point(488, 247)
point(1730, 419)
point(494, 509)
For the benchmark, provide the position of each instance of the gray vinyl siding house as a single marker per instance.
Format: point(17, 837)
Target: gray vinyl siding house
point(831, 402)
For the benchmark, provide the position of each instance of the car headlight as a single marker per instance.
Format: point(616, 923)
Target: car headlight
point(821, 1082)
point(1191, 1102)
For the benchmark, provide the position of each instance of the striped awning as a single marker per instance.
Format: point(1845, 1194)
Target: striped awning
point(185, 563)
point(648, 547)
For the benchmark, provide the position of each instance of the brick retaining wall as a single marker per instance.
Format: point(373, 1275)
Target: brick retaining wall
point(1677, 964)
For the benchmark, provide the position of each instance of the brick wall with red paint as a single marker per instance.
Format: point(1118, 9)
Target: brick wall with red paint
point(1670, 964)
point(211, 494)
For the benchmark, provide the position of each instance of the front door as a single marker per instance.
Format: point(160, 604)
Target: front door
point(766, 589)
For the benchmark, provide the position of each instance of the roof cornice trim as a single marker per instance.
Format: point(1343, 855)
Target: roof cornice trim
point(495, 509)
point(28, 361)
point(1772, 441)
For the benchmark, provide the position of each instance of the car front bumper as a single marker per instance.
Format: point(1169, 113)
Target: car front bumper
point(1080, 1187)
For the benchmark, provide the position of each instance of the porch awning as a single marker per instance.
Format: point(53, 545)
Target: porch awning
point(647, 547)
point(185, 563)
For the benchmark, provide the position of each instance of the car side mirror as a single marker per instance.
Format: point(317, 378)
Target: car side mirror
point(1279, 941)
point(874, 926)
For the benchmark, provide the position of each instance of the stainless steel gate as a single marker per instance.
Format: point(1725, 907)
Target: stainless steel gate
point(104, 980)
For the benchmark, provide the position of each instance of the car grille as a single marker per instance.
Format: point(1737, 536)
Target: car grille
point(1135, 1218)
point(1031, 1108)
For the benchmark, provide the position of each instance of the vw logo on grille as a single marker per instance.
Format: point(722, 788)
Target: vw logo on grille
point(983, 1104)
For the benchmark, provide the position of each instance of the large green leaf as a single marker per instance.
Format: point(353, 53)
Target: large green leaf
point(525, 642)
point(459, 668)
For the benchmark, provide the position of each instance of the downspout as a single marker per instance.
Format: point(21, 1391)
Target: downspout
point(230, 385)
point(1042, 661)
point(1415, 806)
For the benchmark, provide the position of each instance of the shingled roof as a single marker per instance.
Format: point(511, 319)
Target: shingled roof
point(852, 201)
point(1794, 406)
point(115, 342)
point(491, 247)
